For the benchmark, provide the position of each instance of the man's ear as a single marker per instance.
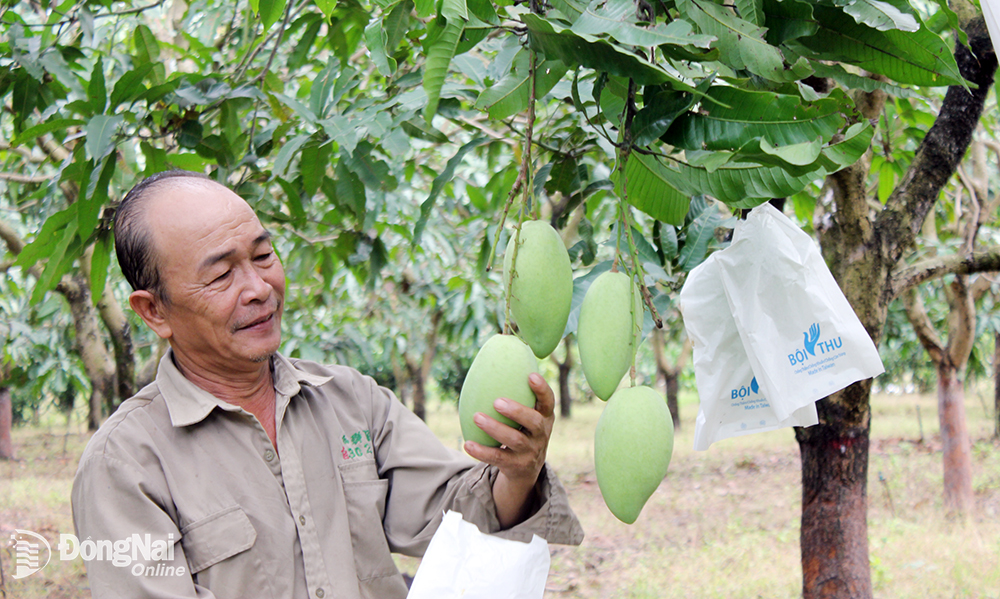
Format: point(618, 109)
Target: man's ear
point(150, 309)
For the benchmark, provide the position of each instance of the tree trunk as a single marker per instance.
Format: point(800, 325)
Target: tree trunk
point(996, 385)
point(565, 367)
point(97, 361)
point(672, 384)
point(670, 374)
point(956, 447)
point(419, 395)
point(6, 421)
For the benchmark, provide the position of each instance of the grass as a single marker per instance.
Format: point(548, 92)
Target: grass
point(723, 524)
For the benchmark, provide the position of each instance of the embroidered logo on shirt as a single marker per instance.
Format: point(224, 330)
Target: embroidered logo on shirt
point(358, 445)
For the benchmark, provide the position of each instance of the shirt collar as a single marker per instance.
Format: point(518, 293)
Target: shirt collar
point(188, 403)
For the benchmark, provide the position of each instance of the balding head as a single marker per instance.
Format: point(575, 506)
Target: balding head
point(133, 236)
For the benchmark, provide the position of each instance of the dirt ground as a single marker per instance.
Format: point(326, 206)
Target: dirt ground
point(723, 524)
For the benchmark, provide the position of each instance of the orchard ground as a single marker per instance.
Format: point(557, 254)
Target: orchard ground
point(723, 524)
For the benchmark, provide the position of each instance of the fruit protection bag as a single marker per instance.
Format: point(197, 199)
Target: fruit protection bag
point(731, 403)
point(463, 562)
point(801, 335)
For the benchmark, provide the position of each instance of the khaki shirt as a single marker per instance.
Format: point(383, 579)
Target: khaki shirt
point(355, 477)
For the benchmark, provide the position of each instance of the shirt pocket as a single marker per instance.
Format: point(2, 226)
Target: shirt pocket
point(217, 550)
point(365, 494)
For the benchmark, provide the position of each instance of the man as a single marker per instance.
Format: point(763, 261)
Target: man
point(267, 476)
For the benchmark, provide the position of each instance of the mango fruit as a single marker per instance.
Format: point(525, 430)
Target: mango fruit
point(541, 285)
point(500, 369)
point(609, 332)
point(633, 444)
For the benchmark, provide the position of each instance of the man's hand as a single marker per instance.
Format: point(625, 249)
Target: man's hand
point(522, 452)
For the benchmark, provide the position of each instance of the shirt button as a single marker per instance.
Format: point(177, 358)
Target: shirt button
point(268, 455)
point(302, 521)
point(320, 593)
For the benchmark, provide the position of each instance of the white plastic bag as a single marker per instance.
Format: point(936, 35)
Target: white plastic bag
point(801, 335)
point(731, 402)
point(463, 562)
point(991, 13)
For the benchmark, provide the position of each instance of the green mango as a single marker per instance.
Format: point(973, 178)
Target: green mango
point(609, 332)
point(633, 444)
point(541, 285)
point(500, 369)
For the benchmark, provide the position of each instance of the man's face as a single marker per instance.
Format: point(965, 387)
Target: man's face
point(224, 284)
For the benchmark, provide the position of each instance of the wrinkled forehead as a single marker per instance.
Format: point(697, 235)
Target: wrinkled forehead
point(189, 216)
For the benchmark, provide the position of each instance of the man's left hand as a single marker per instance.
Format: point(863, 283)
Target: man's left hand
point(521, 456)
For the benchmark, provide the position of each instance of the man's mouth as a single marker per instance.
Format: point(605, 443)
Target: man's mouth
point(256, 322)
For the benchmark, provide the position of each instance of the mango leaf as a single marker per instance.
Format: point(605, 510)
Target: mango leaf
point(58, 263)
point(699, 234)
point(646, 187)
point(97, 91)
point(751, 11)
point(743, 185)
point(852, 81)
point(741, 43)
point(147, 48)
point(739, 116)
point(880, 15)
point(373, 172)
point(454, 9)
point(511, 94)
point(36, 131)
point(438, 185)
point(787, 20)
point(375, 40)
point(660, 108)
point(917, 58)
point(285, 155)
point(350, 191)
point(43, 243)
point(616, 18)
point(326, 7)
point(801, 154)
point(322, 86)
point(439, 56)
point(340, 130)
point(270, 12)
point(99, 263)
point(313, 162)
point(100, 132)
point(129, 86)
point(396, 24)
point(558, 42)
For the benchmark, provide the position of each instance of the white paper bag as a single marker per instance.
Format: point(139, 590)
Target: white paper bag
point(731, 402)
point(463, 562)
point(801, 335)
point(991, 13)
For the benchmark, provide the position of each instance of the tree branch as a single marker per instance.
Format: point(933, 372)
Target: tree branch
point(961, 322)
point(942, 148)
point(917, 315)
point(985, 260)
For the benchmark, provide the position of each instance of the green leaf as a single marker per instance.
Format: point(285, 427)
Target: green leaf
point(350, 191)
point(99, 263)
point(439, 56)
point(41, 247)
point(438, 185)
point(649, 190)
point(511, 94)
point(880, 15)
point(58, 263)
point(147, 48)
point(916, 58)
point(129, 86)
point(751, 11)
point(322, 86)
point(326, 7)
point(454, 9)
point(270, 12)
point(739, 116)
point(658, 114)
point(100, 132)
point(886, 181)
point(421, 130)
point(852, 81)
point(339, 128)
point(801, 154)
point(699, 234)
point(616, 18)
point(741, 43)
point(97, 91)
point(397, 24)
point(787, 20)
point(375, 40)
point(558, 42)
point(313, 162)
point(285, 155)
point(36, 131)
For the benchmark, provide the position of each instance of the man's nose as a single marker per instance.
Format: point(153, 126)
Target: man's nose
point(256, 289)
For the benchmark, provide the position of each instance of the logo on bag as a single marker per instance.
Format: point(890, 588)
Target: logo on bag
point(746, 391)
point(813, 344)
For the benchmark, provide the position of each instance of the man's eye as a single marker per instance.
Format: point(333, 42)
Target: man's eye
point(263, 257)
point(222, 277)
